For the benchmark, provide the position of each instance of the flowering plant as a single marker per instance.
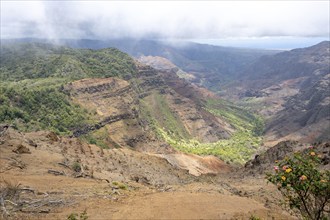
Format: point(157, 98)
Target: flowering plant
point(304, 185)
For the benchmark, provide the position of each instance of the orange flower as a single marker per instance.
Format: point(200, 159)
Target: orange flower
point(313, 153)
point(303, 177)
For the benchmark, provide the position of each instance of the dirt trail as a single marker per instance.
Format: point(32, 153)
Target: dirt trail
point(183, 203)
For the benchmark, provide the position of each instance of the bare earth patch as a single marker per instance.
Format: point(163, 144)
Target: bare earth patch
point(122, 183)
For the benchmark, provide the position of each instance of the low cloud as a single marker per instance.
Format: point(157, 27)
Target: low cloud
point(164, 19)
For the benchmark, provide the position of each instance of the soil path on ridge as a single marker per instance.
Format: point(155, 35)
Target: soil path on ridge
point(187, 202)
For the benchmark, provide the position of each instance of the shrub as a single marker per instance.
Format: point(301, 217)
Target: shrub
point(303, 184)
point(252, 217)
point(75, 216)
point(120, 185)
point(76, 167)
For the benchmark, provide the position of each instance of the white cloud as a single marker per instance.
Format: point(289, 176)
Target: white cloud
point(164, 19)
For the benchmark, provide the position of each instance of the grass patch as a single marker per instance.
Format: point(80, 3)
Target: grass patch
point(120, 185)
point(100, 138)
point(161, 118)
point(240, 118)
point(238, 149)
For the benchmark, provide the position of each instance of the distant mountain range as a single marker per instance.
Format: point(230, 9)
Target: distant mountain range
point(291, 89)
point(305, 115)
point(212, 66)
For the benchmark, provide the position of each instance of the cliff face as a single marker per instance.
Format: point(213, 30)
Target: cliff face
point(306, 115)
point(129, 112)
point(291, 90)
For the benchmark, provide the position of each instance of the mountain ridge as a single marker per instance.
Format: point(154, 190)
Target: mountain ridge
point(302, 76)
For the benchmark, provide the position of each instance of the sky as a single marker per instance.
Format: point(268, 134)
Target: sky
point(215, 22)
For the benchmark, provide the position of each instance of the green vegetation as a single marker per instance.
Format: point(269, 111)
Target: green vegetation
point(146, 114)
point(32, 78)
point(252, 217)
point(243, 143)
point(100, 138)
point(305, 187)
point(40, 104)
point(167, 119)
point(240, 118)
point(76, 167)
point(76, 216)
point(35, 60)
point(120, 185)
point(161, 117)
point(237, 149)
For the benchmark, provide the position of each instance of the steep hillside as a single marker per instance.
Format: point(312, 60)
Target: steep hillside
point(306, 115)
point(105, 98)
point(290, 89)
point(131, 112)
point(32, 79)
point(297, 63)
